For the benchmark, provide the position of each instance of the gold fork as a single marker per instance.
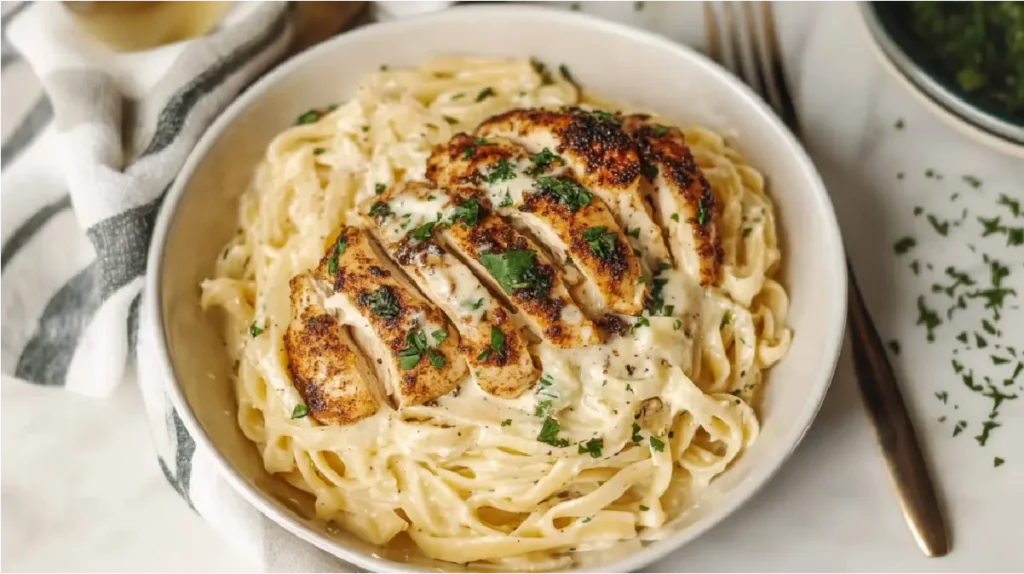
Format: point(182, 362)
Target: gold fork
point(758, 62)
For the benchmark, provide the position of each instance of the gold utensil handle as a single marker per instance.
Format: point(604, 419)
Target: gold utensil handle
point(904, 462)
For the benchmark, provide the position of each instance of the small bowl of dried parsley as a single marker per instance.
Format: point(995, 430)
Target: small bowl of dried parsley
point(966, 59)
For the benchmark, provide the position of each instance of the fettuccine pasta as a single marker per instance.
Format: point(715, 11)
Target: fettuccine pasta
point(476, 484)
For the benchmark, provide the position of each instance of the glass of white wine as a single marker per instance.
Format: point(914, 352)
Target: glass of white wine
point(135, 26)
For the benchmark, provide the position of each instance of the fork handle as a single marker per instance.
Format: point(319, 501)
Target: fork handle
point(904, 462)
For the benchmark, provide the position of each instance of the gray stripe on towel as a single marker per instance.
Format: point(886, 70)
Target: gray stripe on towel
point(9, 15)
point(26, 231)
point(172, 117)
point(47, 355)
point(122, 244)
point(122, 241)
point(184, 449)
point(31, 125)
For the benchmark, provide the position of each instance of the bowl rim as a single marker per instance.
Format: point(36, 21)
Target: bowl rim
point(152, 317)
point(990, 129)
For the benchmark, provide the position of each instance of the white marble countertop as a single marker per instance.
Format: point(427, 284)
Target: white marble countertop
point(82, 490)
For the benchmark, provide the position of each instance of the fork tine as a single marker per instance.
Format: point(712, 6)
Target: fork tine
point(757, 53)
point(714, 41)
point(778, 87)
point(735, 34)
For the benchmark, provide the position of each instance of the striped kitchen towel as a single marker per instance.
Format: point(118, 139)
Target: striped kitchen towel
point(91, 141)
point(89, 149)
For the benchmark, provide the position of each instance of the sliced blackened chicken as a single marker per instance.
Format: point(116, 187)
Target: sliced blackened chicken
point(682, 198)
point(490, 341)
point(599, 154)
point(556, 209)
point(513, 264)
point(328, 372)
point(415, 351)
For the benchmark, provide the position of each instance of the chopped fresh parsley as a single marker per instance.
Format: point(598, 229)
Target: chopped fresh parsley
point(440, 336)
point(655, 303)
point(726, 317)
point(568, 192)
point(904, 245)
point(415, 348)
point(657, 444)
point(382, 302)
point(379, 189)
point(497, 345)
point(422, 233)
point(986, 430)
point(566, 75)
point(592, 446)
point(641, 321)
point(549, 433)
point(601, 241)
point(644, 508)
point(468, 212)
point(339, 249)
point(941, 227)
point(516, 270)
point(541, 161)
point(543, 408)
point(300, 411)
point(637, 437)
point(450, 120)
point(436, 360)
point(319, 150)
point(468, 151)
point(310, 117)
point(485, 93)
point(500, 171)
point(927, 317)
point(542, 71)
point(674, 217)
point(633, 232)
point(677, 325)
point(380, 209)
point(649, 170)
point(506, 423)
point(604, 116)
point(255, 330)
point(703, 210)
point(659, 130)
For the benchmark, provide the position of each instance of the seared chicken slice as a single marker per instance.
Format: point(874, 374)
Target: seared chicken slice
point(335, 382)
point(682, 198)
point(491, 343)
point(416, 352)
point(554, 208)
point(512, 264)
point(600, 155)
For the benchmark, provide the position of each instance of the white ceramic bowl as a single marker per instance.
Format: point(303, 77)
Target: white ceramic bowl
point(198, 216)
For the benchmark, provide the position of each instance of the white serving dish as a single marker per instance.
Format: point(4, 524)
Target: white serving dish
point(199, 214)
